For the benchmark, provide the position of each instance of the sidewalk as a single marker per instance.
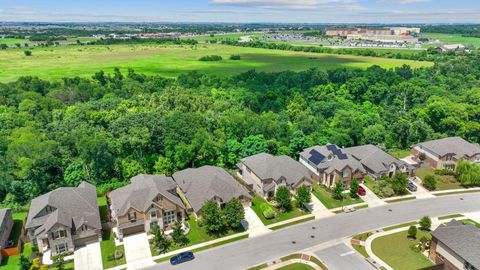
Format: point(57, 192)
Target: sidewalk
point(455, 190)
point(253, 224)
point(283, 264)
point(290, 220)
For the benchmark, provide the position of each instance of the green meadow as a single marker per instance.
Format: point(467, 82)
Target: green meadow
point(453, 38)
point(172, 60)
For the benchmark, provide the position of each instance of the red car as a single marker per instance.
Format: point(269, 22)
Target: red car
point(361, 191)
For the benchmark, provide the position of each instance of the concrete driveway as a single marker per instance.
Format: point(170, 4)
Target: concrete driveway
point(342, 257)
point(371, 199)
point(253, 224)
point(88, 257)
point(137, 251)
point(421, 192)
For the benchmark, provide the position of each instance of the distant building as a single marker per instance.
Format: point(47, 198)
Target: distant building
point(451, 47)
point(456, 246)
point(446, 152)
point(385, 34)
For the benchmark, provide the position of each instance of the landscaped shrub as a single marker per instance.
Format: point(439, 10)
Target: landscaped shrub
point(267, 211)
point(235, 57)
point(210, 58)
point(468, 173)
point(425, 223)
point(444, 171)
point(430, 182)
point(118, 254)
point(412, 232)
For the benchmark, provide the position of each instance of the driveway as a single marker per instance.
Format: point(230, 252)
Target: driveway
point(342, 257)
point(371, 198)
point(421, 192)
point(253, 224)
point(318, 209)
point(137, 251)
point(88, 257)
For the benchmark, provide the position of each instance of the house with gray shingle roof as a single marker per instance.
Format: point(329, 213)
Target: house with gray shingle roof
point(64, 218)
point(446, 152)
point(456, 246)
point(330, 163)
point(264, 173)
point(6, 225)
point(148, 200)
point(199, 185)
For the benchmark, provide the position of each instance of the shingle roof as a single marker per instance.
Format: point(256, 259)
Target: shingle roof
point(5, 213)
point(266, 166)
point(74, 207)
point(452, 145)
point(203, 184)
point(374, 158)
point(141, 192)
point(464, 240)
point(330, 157)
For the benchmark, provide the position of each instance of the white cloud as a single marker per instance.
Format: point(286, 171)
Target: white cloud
point(403, 1)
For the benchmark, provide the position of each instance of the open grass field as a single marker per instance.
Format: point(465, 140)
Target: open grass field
point(13, 41)
point(170, 60)
point(453, 39)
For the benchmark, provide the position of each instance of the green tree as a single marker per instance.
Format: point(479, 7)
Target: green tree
point(412, 232)
point(399, 183)
point(297, 143)
point(234, 213)
point(430, 182)
point(178, 235)
point(303, 196)
point(354, 186)
point(213, 218)
point(24, 262)
point(159, 240)
point(164, 165)
point(425, 223)
point(337, 191)
point(59, 262)
point(284, 198)
point(27, 53)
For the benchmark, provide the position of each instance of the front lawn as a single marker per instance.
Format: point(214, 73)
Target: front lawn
point(13, 262)
point(444, 182)
point(399, 252)
point(108, 249)
point(399, 153)
point(296, 266)
point(257, 201)
point(326, 198)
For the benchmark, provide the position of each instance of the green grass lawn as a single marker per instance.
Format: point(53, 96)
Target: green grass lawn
point(257, 201)
point(397, 251)
point(103, 208)
point(453, 38)
point(296, 266)
point(12, 262)
point(399, 153)
point(13, 41)
point(361, 250)
point(471, 222)
point(326, 198)
point(172, 60)
point(444, 182)
point(108, 248)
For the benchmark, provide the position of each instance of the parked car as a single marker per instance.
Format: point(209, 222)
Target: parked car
point(411, 186)
point(181, 258)
point(361, 191)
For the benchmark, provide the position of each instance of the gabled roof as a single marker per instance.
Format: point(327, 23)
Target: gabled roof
point(266, 166)
point(464, 240)
point(205, 183)
point(374, 158)
point(141, 192)
point(331, 158)
point(5, 214)
point(73, 207)
point(451, 145)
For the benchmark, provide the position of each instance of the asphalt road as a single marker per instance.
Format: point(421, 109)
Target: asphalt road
point(248, 252)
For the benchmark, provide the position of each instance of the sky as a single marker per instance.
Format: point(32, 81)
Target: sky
point(243, 11)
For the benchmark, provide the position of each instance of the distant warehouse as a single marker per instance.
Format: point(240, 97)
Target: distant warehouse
point(383, 34)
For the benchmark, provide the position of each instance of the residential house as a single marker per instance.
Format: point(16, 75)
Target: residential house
point(64, 218)
point(197, 186)
point(456, 246)
point(6, 225)
point(329, 164)
point(451, 47)
point(148, 200)
point(264, 173)
point(446, 152)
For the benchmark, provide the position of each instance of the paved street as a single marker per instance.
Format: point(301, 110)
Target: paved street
point(88, 257)
point(252, 251)
point(341, 257)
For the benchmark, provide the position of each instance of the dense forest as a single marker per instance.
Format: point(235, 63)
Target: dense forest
point(111, 127)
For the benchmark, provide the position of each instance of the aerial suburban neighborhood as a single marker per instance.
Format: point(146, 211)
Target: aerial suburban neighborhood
point(240, 135)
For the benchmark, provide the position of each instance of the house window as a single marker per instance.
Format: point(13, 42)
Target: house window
point(153, 213)
point(132, 216)
point(59, 234)
point(169, 217)
point(60, 248)
point(346, 173)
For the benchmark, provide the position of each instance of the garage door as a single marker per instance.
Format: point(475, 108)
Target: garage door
point(85, 241)
point(132, 230)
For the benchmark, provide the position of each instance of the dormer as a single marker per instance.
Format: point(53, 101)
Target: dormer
point(46, 211)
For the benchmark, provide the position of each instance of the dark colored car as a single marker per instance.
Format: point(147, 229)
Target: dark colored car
point(182, 257)
point(411, 186)
point(361, 191)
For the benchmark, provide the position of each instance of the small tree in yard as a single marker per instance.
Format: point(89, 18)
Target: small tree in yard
point(59, 262)
point(234, 213)
point(284, 198)
point(178, 236)
point(425, 223)
point(28, 53)
point(412, 232)
point(424, 240)
point(337, 191)
point(303, 196)
point(430, 182)
point(159, 238)
point(354, 188)
point(212, 217)
point(24, 263)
